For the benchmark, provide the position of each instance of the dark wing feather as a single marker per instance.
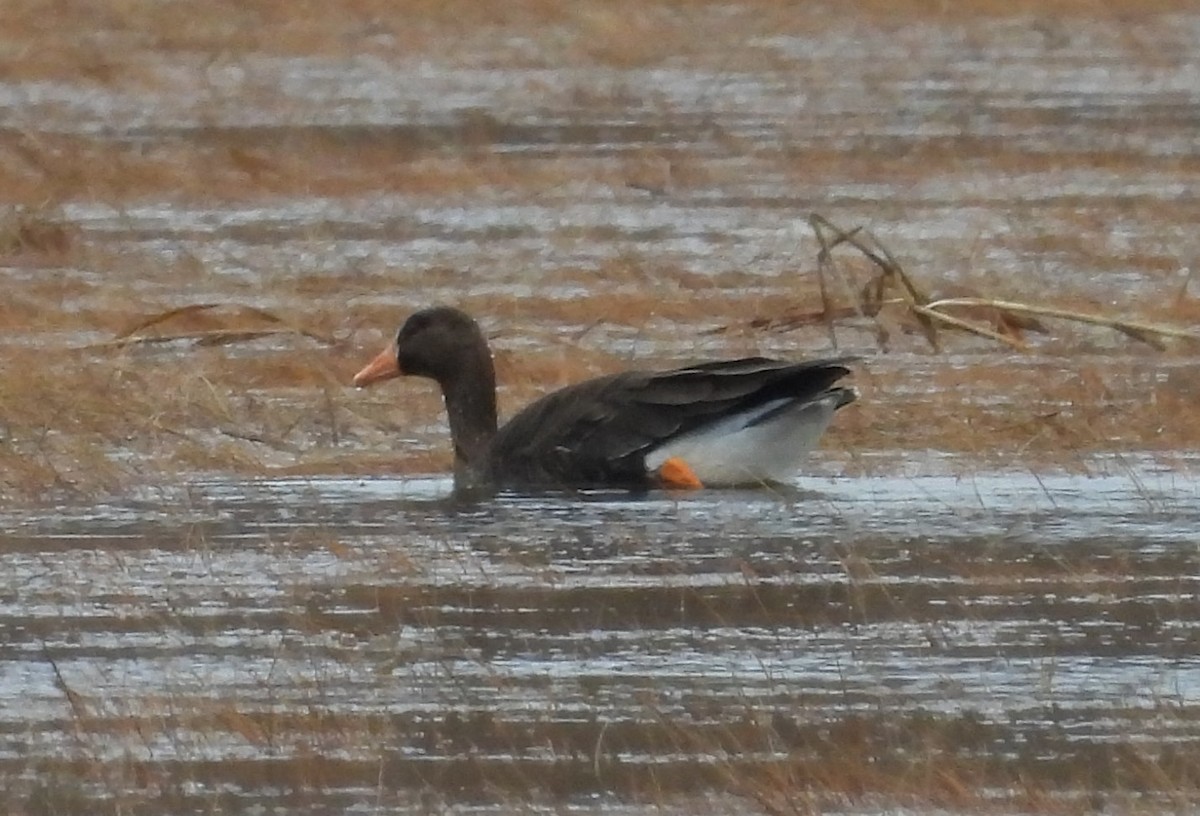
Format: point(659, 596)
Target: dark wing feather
point(599, 431)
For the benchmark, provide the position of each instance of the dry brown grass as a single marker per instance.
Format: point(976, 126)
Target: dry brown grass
point(118, 375)
point(236, 166)
point(312, 27)
point(82, 421)
point(103, 416)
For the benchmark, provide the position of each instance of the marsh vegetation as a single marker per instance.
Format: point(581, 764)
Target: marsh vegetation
point(232, 583)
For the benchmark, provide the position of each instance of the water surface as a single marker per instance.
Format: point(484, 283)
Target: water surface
point(589, 644)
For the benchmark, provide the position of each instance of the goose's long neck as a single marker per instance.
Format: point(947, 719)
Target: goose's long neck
point(471, 406)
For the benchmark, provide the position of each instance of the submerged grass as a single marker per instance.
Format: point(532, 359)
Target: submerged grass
point(782, 750)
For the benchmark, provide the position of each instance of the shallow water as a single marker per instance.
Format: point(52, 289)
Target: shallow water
point(380, 626)
point(1089, 117)
point(334, 645)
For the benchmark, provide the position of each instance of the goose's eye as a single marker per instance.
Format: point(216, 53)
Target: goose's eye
point(415, 325)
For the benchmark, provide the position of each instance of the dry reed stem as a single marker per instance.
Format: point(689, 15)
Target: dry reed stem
point(929, 312)
point(216, 337)
point(959, 323)
point(213, 337)
point(1137, 330)
point(874, 251)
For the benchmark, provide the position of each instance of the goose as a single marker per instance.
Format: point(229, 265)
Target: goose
point(723, 423)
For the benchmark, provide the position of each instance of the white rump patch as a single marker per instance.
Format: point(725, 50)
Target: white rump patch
point(741, 450)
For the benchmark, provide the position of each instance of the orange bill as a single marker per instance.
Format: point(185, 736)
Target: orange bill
point(385, 366)
point(676, 474)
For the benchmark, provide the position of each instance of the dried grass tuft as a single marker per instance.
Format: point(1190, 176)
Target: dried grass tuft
point(34, 231)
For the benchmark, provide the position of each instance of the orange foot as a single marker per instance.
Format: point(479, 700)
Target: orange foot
point(676, 474)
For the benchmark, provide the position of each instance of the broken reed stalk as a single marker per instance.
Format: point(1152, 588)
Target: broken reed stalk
point(1141, 331)
point(889, 270)
point(932, 313)
point(929, 314)
point(215, 337)
point(130, 336)
point(825, 261)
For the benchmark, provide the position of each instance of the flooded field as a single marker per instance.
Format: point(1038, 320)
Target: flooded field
point(232, 584)
point(368, 642)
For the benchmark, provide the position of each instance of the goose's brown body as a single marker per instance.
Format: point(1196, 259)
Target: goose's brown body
point(618, 430)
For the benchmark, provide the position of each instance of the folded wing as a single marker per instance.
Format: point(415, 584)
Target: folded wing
point(618, 429)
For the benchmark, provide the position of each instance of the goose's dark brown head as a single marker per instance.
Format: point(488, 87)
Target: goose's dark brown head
point(441, 343)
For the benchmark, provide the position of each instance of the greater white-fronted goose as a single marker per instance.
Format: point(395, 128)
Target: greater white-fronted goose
point(722, 423)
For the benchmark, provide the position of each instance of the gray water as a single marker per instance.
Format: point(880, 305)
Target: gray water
point(334, 645)
point(340, 634)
